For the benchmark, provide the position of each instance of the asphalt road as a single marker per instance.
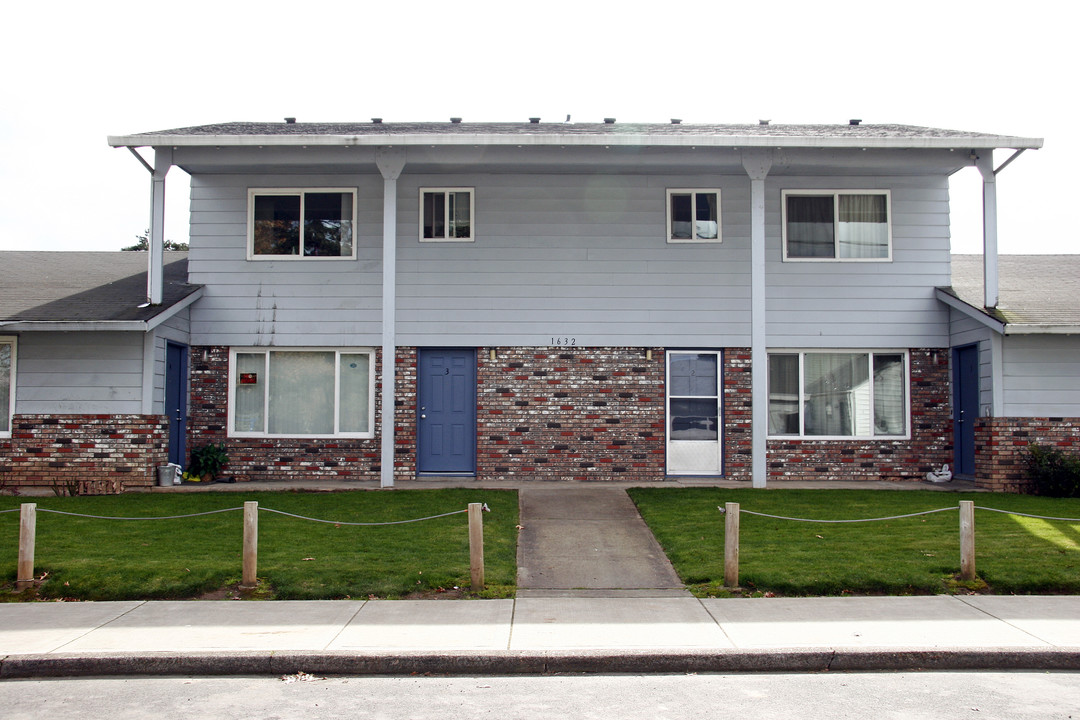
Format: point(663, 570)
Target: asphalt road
point(983, 695)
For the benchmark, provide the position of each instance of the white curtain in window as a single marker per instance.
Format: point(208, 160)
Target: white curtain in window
point(249, 398)
point(353, 414)
point(837, 400)
point(301, 393)
point(863, 228)
point(890, 395)
point(783, 394)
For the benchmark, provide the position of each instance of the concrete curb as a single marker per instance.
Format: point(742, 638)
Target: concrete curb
point(540, 662)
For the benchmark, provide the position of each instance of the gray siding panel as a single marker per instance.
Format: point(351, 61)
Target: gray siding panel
point(560, 255)
point(1042, 375)
point(68, 373)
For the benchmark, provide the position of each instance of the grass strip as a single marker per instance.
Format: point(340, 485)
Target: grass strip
point(919, 555)
point(89, 559)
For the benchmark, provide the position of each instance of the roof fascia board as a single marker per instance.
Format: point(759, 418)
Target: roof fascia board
point(1042, 329)
point(636, 140)
point(970, 310)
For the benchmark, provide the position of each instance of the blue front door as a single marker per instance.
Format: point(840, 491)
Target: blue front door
point(176, 371)
point(965, 406)
point(446, 412)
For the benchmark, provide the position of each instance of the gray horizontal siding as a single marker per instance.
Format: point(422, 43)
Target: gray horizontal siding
point(1042, 376)
point(75, 373)
point(863, 304)
point(560, 255)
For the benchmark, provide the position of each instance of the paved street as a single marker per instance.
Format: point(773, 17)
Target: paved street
point(986, 696)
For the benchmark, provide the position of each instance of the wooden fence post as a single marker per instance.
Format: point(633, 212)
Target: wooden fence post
point(967, 540)
point(24, 577)
point(251, 545)
point(476, 545)
point(731, 545)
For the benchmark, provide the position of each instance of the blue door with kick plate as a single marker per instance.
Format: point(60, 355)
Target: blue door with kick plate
point(446, 412)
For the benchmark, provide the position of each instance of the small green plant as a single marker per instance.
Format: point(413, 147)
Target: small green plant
point(1054, 473)
point(207, 461)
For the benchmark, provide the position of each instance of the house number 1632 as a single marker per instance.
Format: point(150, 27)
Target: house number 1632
point(563, 341)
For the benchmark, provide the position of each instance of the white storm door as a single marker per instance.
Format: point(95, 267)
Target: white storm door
point(693, 413)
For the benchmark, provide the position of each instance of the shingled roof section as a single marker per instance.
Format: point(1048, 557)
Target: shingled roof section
point(86, 287)
point(1034, 290)
point(372, 133)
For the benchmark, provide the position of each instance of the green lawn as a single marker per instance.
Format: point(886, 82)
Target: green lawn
point(112, 560)
point(910, 556)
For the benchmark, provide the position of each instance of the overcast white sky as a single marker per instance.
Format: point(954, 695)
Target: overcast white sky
point(74, 73)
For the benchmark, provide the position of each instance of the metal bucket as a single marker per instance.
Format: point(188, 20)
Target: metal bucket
point(168, 475)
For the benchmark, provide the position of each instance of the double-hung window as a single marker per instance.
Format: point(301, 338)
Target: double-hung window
point(301, 392)
point(7, 385)
point(837, 225)
point(834, 394)
point(305, 223)
point(446, 215)
point(693, 216)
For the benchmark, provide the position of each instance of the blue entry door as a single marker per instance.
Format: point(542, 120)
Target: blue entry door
point(965, 407)
point(176, 372)
point(446, 412)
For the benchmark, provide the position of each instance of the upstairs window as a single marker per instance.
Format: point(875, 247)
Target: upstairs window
point(446, 215)
point(316, 223)
point(837, 225)
point(693, 216)
point(7, 385)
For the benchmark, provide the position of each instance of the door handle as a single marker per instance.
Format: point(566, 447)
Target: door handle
point(423, 417)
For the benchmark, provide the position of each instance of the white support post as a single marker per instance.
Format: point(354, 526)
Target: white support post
point(391, 161)
point(757, 164)
point(985, 163)
point(155, 280)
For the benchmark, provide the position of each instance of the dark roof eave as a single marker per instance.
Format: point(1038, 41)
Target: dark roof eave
point(147, 324)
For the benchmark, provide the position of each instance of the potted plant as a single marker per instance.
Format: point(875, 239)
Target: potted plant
point(206, 462)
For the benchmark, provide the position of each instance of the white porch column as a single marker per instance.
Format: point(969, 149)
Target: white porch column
point(391, 161)
point(155, 275)
point(985, 163)
point(757, 164)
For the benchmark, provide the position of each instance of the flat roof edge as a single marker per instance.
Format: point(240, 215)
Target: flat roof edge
point(577, 139)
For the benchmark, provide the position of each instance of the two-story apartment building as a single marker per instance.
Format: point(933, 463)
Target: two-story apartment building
point(558, 301)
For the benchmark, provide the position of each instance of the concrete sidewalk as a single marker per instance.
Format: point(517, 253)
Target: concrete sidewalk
point(540, 635)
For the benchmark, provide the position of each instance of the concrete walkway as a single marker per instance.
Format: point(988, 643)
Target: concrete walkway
point(588, 542)
point(540, 635)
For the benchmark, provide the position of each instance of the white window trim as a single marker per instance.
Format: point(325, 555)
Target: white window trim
point(693, 203)
point(446, 214)
point(836, 214)
point(851, 351)
point(281, 192)
point(338, 352)
point(10, 409)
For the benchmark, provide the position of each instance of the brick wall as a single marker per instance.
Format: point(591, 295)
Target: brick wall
point(571, 414)
point(930, 445)
point(282, 459)
point(97, 454)
point(1001, 448)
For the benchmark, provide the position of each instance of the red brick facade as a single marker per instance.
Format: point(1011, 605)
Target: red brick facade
point(85, 454)
point(930, 446)
point(571, 414)
point(1001, 447)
